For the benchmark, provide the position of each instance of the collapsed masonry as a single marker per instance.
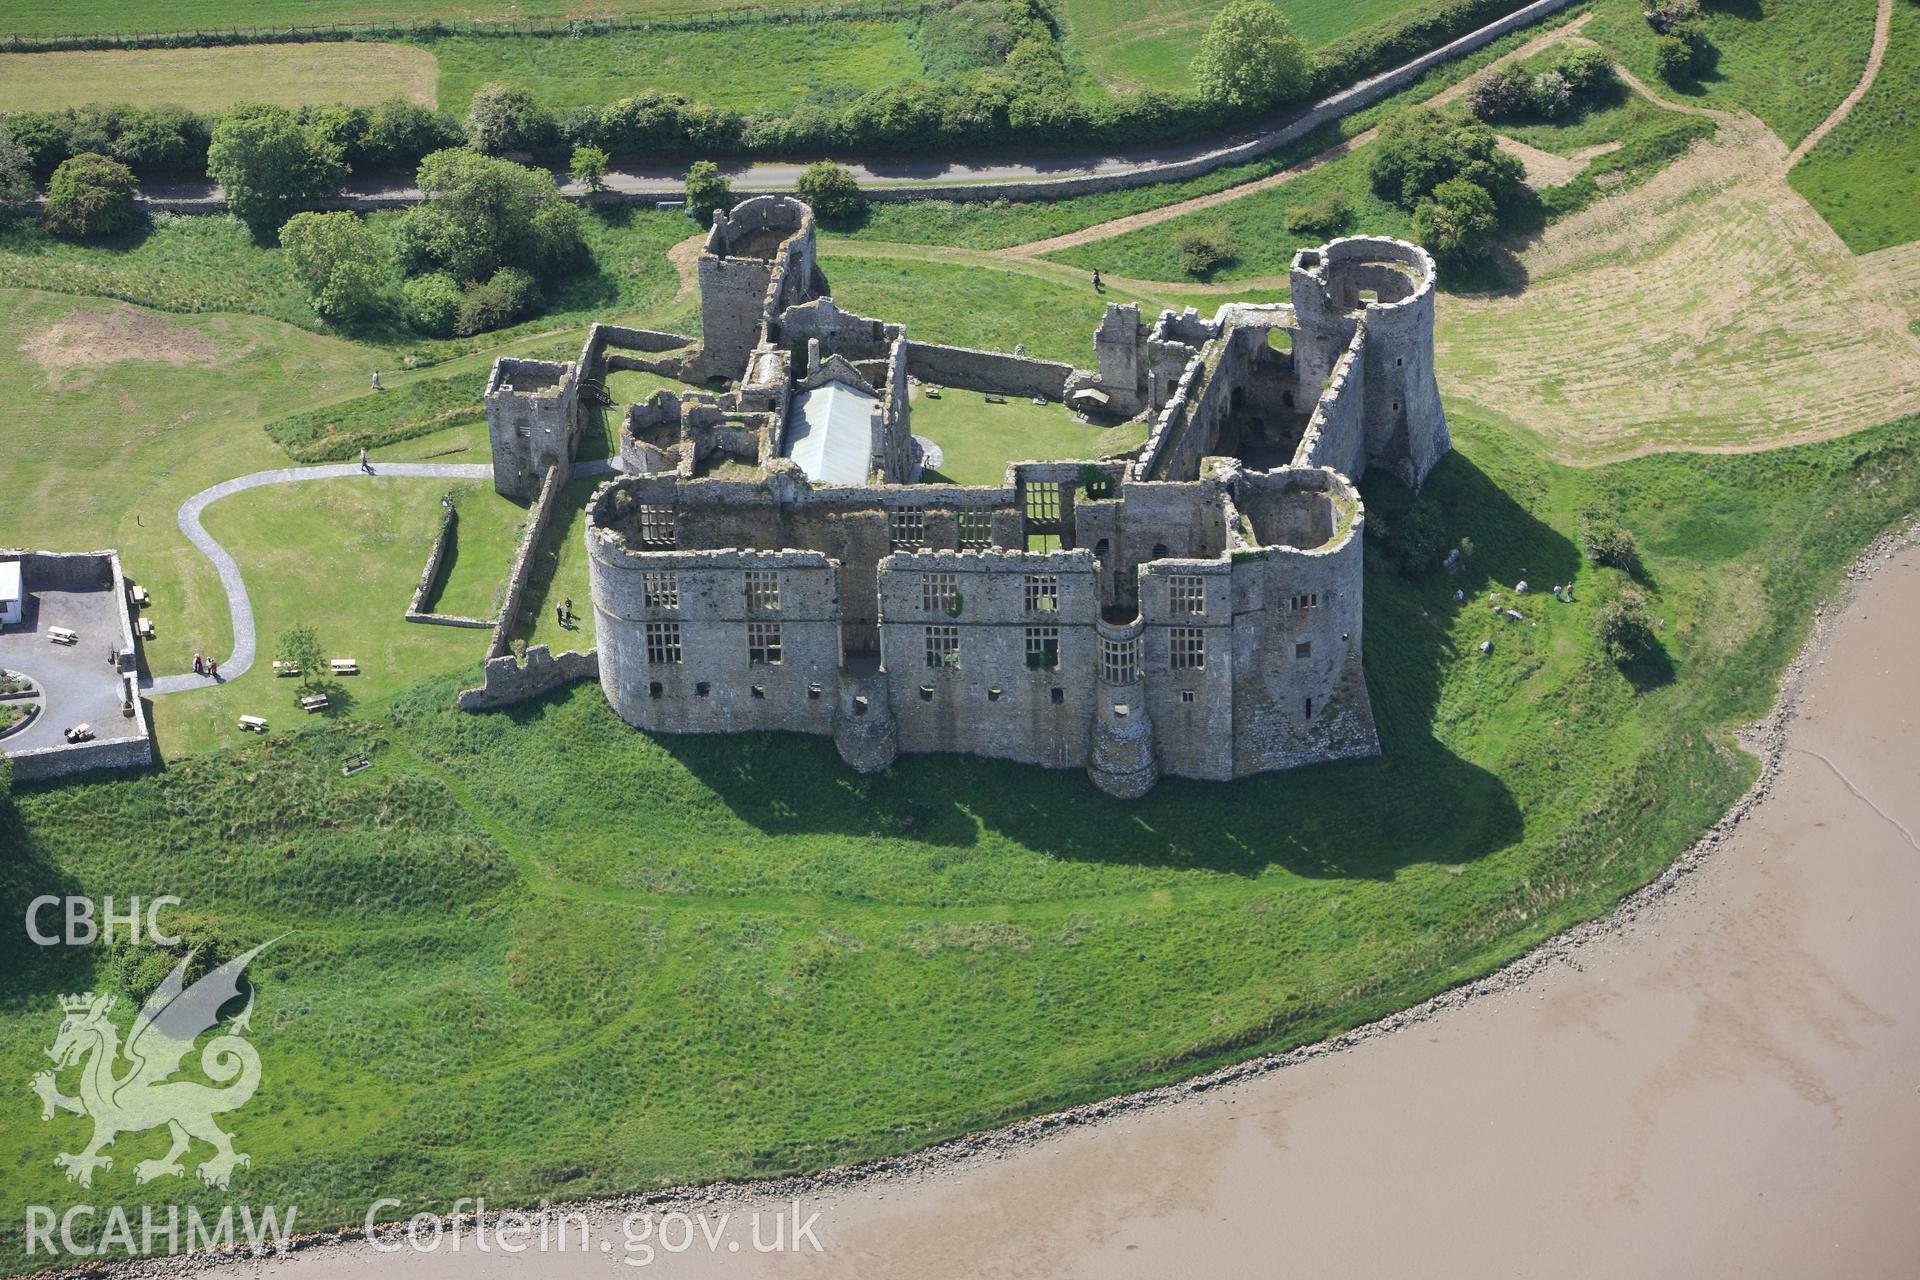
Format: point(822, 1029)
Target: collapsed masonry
point(773, 558)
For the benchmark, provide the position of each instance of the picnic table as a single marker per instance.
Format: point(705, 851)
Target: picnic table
point(80, 733)
point(314, 702)
point(253, 724)
point(63, 635)
point(145, 628)
point(286, 668)
point(138, 595)
point(345, 667)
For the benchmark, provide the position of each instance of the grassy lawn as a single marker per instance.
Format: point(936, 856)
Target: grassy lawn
point(1619, 114)
point(340, 431)
point(536, 954)
point(474, 568)
point(632, 386)
point(114, 415)
point(1786, 61)
point(562, 575)
point(204, 264)
point(62, 17)
point(1864, 177)
point(214, 79)
point(341, 556)
point(1255, 225)
point(964, 306)
point(790, 61)
point(978, 439)
point(1147, 44)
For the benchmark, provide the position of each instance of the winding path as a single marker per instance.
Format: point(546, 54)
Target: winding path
point(239, 607)
point(1882, 29)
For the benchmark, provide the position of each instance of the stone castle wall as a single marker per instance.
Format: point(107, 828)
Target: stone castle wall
point(991, 701)
point(1200, 617)
point(989, 371)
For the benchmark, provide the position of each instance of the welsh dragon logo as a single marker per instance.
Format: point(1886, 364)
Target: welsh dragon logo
point(164, 1032)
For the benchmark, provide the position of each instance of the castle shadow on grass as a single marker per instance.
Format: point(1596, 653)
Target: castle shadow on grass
point(1418, 802)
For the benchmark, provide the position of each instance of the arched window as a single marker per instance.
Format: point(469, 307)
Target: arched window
point(1160, 551)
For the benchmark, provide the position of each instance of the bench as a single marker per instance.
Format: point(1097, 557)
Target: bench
point(354, 764)
point(933, 393)
point(253, 724)
point(992, 399)
point(345, 667)
point(80, 733)
point(314, 702)
point(286, 668)
point(63, 635)
point(145, 628)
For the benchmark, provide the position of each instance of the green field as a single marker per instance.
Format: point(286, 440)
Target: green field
point(562, 575)
point(999, 224)
point(1864, 177)
point(534, 954)
point(789, 62)
point(199, 264)
point(214, 79)
point(1787, 61)
point(966, 307)
point(979, 439)
point(67, 17)
point(1147, 44)
point(1255, 226)
point(494, 978)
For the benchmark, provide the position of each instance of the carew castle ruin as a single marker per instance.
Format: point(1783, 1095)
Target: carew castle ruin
point(775, 556)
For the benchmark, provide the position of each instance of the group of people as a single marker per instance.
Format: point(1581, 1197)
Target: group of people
point(563, 613)
point(207, 667)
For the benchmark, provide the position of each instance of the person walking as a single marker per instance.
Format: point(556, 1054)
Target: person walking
point(376, 381)
point(199, 667)
point(569, 610)
point(365, 466)
point(1096, 279)
point(213, 668)
point(559, 616)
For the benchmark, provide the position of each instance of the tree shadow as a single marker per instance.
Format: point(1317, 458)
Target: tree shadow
point(1650, 670)
point(339, 699)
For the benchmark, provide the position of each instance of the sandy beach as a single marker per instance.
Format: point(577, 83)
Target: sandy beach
point(1726, 1084)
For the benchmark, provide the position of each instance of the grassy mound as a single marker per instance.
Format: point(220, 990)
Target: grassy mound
point(340, 431)
point(1787, 62)
point(537, 954)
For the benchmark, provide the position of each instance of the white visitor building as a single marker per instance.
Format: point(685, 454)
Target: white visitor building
point(12, 594)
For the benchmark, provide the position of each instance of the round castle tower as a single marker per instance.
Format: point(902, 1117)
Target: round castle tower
point(1386, 287)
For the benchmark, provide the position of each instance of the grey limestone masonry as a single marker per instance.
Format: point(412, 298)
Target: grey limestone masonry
point(1189, 607)
point(533, 422)
point(513, 602)
point(417, 606)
